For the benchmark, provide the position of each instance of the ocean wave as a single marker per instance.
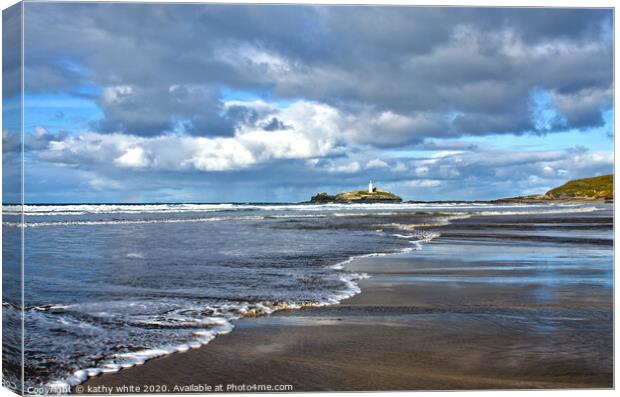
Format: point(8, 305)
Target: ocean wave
point(84, 209)
point(438, 221)
point(218, 324)
point(417, 239)
point(130, 221)
point(441, 218)
point(564, 210)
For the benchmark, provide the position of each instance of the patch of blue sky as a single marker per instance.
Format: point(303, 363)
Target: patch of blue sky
point(87, 90)
point(544, 115)
point(72, 113)
point(11, 114)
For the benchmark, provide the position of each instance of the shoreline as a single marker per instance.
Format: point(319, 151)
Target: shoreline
point(385, 338)
point(350, 279)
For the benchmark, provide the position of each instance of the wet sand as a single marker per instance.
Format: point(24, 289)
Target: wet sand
point(474, 327)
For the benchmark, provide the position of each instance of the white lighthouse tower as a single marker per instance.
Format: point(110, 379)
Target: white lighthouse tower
point(370, 187)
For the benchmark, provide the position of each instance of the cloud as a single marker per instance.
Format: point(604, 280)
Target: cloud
point(428, 183)
point(11, 51)
point(582, 108)
point(347, 168)
point(327, 139)
point(156, 110)
point(313, 133)
point(377, 163)
point(442, 72)
point(134, 157)
point(321, 96)
point(312, 130)
point(422, 170)
point(102, 184)
point(11, 142)
point(253, 154)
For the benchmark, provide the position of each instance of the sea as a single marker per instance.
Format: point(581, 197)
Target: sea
point(110, 286)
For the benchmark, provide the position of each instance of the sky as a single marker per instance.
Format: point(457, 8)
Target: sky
point(274, 103)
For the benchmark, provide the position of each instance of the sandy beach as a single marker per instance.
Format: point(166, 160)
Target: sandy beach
point(424, 321)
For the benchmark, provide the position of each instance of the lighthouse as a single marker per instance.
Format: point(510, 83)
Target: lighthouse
point(370, 187)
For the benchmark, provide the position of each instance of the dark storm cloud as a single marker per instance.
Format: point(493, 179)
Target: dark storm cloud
point(471, 71)
point(581, 108)
point(153, 109)
point(567, 23)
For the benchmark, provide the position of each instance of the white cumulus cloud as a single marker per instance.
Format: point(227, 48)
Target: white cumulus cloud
point(134, 157)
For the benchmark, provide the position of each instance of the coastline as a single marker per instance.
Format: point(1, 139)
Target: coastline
point(400, 334)
point(525, 200)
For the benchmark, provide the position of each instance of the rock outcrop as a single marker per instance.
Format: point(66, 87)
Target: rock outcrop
point(359, 196)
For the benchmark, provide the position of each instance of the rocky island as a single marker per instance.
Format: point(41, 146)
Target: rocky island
point(372, 195)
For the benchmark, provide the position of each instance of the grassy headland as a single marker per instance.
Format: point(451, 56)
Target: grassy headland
point(599, 188)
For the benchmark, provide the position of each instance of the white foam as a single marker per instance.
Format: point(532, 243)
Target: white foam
point(129, 359)
point(405, 236)
point(438, 222)
point(82, 209)
point(218, 325)
point(539, 212)
point(482, 209)
point(130, 221)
